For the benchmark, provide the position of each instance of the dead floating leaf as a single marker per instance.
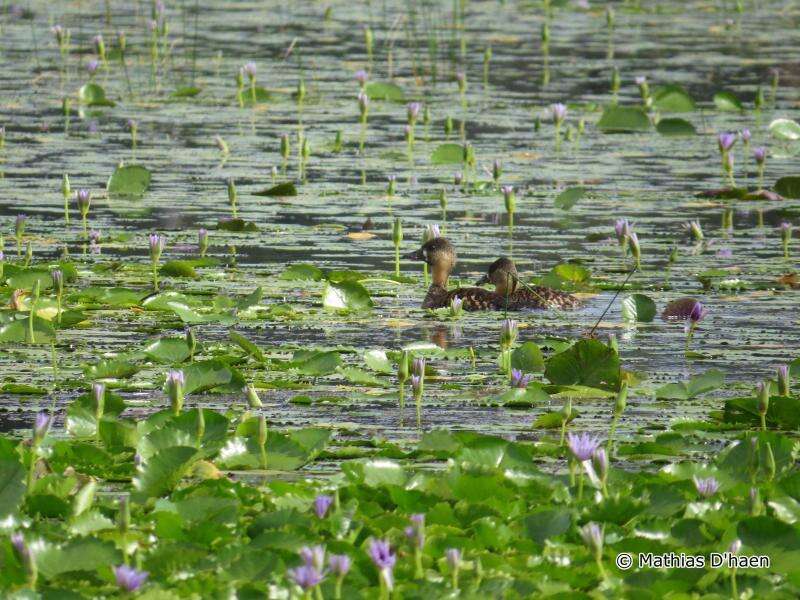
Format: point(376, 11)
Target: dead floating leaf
point(360, 236)
point(790, 279)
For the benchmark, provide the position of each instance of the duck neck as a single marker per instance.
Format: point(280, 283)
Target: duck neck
point(439, 275)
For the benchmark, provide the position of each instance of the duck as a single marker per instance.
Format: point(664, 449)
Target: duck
point(511, 294)
point(440, 255)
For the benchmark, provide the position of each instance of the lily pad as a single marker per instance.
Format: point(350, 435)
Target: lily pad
point(638, 307)
point(728, 101)
point(129, 180)
point(378, 90)
point(569, 197)
point(788, 187)
point(282, 189)
point(448, 154)
point(673, 98)
point(587, 362)
point(674, 127)
point(92, 94)
point(346, 295)
point(785, 129)
point(623, 119)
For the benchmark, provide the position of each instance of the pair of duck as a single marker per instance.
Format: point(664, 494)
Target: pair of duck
point(508, 294)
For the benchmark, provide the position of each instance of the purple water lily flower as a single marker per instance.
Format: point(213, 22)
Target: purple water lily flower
point(698, 312)
point(157, 243)
point(339, 564)
point(706, 487)
point(306, 576)
point(92, 66)
point(42, 425)
point(416, 531)
point(129, 579)
point(582, 445)
point(453, 557)
point(456, 304)
point(520, 379)
point(413, 109)
point(418, 366)
point(321, 505)
point(622, 228)
point(313, 556)
point(380, 552)
point(361, 77)
point(592, 536)
point(416, 384)
point(458, 178)
point(726, 141)
point(250, 69)
point(640, 80)
point(760, 154)
point(558, 111)
point(746, 135)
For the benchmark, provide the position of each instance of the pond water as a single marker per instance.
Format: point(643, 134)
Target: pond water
point(650, 179)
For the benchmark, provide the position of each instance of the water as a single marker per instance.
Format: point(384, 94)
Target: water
point(647, 178)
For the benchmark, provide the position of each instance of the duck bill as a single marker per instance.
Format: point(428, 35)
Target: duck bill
point(415, 255)
point(483, 280)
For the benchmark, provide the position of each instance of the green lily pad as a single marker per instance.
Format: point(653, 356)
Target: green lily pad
point(129, 180)
point(675, 127)
point(785, 129)
point(448, 154)
point(347, 295)
point(638, 307)
point(673, 98)
point(727, 101)
point(378, 90)
point(92, 94)
point(623, 119)
point(282, 189)
point(569, 197)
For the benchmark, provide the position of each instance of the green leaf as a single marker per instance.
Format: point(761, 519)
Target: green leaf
point(178, 268)
point(567, 276)
point(675, 127)
point(248, 346)
point(236, 226)
point(110, 369)
point(533, 395)
point(569, 197)
point(25, 279)
point(282, 189)
point(378, 361)
point(17, 332)
point(302, 272)
point(129, 180)
point(83, 554)
point(785, 129)
point(347, 295)
point(92, 94)
point(638, 307)
point(12, 486)
point(447, 154)
point(699, 384)
point(620, 119)
point(673, 98)
point(316, 364)
point(727, 101)
point(186, 92)
point(547, 523)
point(588, 362)
point(768, 536)
point(162, 471)
point(377, 90)
point(528, 358)
point(212, 374)
point(788, 187)
point(168, 351)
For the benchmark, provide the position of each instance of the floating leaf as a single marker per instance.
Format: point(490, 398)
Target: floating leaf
point(110, 369)
point(686, 390)
point(286, 188)
point(638, 307)
point(92, 94)
point(447, 154)
point(169, 351)
point(569, 197)
point(81, 554)
point(528, 358)
point(346, 295)
point(129, 180)
point(214, 375)
point(262, 96)
point(788, 187)
point(673, 98)
point(302, 272)
point(186, 92)
point(18, 331)
point(237, 226)
point(675, 127)
point(178, 268)
point(785, 129)
point(162, 471)
point(727, 101)
point(316, 364)
point(621, 119)
point(377, 90)
point(587, 362)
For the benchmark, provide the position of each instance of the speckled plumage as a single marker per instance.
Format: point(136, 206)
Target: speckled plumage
point(474, 298)
point(513, 295)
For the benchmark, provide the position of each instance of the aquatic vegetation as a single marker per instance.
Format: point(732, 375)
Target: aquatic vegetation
point(225, 414)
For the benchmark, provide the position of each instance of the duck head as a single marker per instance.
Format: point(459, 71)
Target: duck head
point(440, 255)
point(502, 274)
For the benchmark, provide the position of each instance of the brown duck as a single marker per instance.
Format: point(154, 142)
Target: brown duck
point(440, 255)
point(511, 294)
